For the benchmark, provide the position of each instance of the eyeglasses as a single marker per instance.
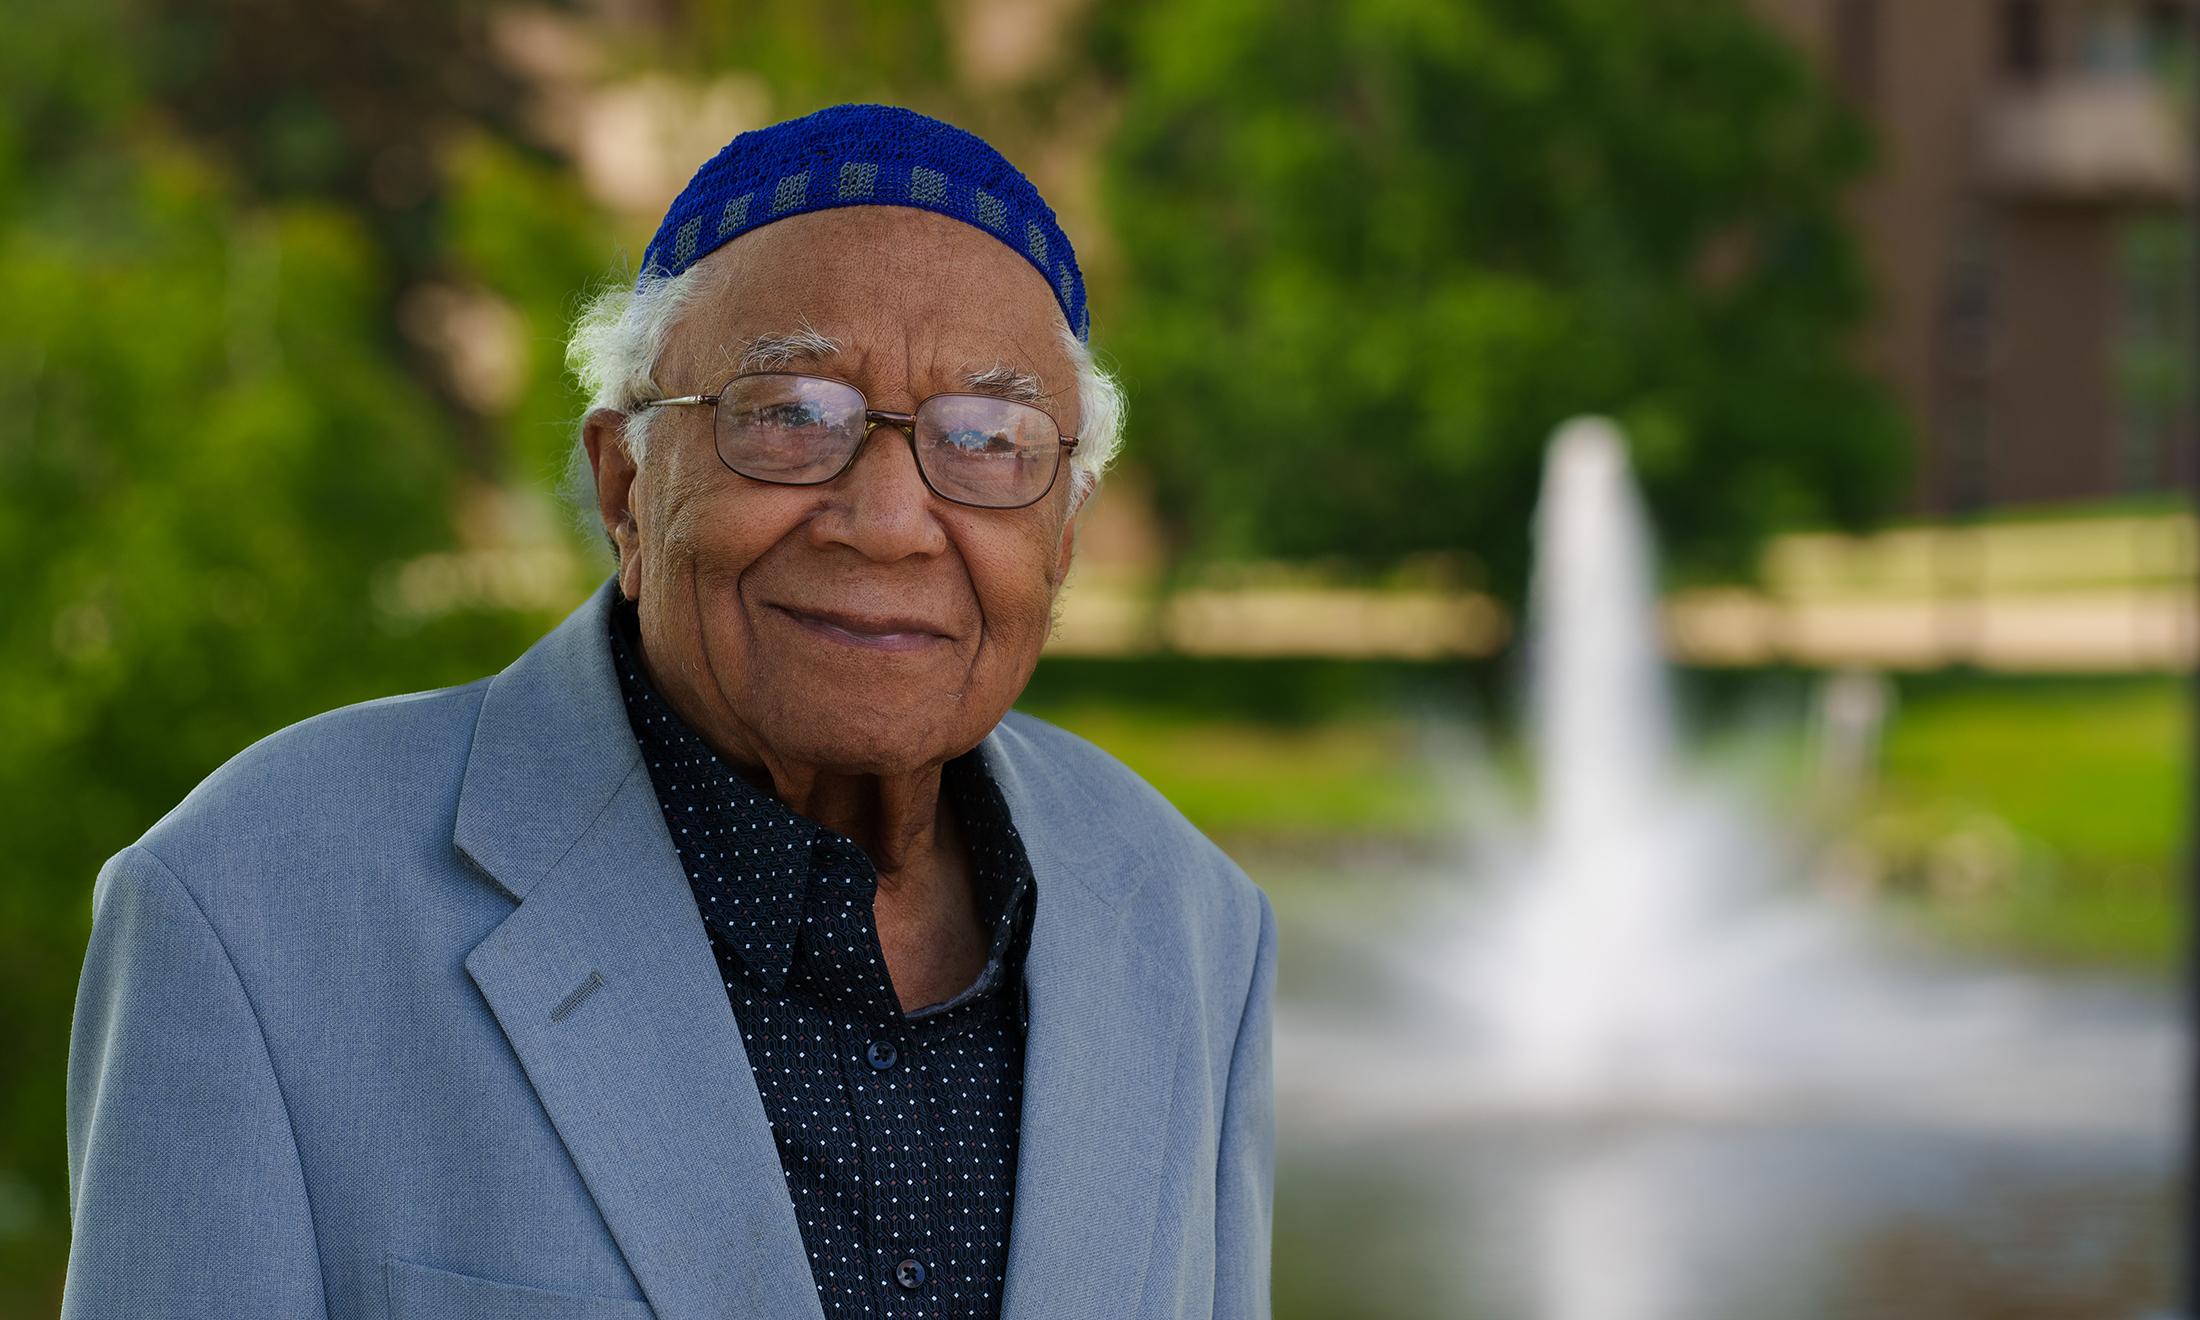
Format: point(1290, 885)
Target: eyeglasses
point(975, 449)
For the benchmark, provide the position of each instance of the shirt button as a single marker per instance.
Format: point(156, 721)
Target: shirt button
point(910, 1274)
point(883, 1055)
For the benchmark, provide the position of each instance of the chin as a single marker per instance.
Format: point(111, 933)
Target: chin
point(861, 741)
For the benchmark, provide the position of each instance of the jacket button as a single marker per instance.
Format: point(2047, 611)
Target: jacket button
point(910, 1274)
point(883, 1055)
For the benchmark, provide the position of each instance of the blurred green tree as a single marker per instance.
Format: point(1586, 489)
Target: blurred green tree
point(1373, 253)
point(216, 445)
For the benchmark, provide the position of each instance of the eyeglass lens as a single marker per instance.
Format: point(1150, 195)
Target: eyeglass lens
point(972, 448)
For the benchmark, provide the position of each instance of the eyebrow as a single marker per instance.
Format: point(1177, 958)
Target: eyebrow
point(776, 352)
point(1007, 382)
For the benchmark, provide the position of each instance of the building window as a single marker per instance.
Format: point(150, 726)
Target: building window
point(2153, 349)
point(2167, 21)
point(2023, 39)
point(1856, 47)
point(2114, 41)
point(2167, 30)
point(1970, 298)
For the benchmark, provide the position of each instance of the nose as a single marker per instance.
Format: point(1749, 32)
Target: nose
point(879, 505)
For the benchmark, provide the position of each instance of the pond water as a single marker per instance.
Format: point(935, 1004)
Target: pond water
point(2032, 1175)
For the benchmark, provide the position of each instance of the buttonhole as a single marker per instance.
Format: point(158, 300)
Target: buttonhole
point(572, 1001)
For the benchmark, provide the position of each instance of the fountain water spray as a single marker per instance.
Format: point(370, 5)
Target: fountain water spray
point(1614, 960)
point(1642, 946)
point(1656, 1077)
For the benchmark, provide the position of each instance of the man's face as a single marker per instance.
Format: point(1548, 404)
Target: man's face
point(864, 625)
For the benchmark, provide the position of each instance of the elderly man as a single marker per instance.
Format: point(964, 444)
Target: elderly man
point(736, 952)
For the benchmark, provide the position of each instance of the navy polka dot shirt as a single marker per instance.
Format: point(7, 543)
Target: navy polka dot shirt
point(896, 1131)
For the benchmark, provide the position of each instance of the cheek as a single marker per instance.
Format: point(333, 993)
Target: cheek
point(1013, 579)
point(703, 526)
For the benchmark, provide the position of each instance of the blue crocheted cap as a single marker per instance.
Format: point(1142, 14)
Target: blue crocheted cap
point(866, 155)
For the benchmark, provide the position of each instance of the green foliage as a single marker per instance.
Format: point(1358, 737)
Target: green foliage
point(814, 53)
point(215, 446)
point(1373, 253)
point(511, 228)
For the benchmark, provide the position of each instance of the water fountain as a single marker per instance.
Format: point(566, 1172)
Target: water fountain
point(1684, 1083)
point(1616, 953)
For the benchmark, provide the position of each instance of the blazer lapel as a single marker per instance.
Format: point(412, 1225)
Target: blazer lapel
point(1100, 1071)
point(605, 985)
point(603, 980)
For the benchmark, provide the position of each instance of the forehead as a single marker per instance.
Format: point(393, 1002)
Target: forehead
point(909, 294)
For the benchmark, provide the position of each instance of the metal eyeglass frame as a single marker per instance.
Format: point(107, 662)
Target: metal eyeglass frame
point(873, 418)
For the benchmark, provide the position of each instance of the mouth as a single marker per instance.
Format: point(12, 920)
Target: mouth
point(880, 633)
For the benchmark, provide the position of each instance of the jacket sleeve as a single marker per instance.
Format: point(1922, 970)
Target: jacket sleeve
point(186, 1195)
point(1245, 1166)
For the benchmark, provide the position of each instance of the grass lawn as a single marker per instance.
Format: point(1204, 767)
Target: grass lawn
point(1257, 784)
point(1270, 753)
point(2041, 818)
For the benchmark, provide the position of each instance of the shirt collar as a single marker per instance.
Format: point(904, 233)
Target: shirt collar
point(749, 859)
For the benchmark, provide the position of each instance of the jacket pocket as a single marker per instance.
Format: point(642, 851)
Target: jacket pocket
point(422, 1292)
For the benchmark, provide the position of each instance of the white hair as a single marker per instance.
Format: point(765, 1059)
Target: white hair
point(620, 333)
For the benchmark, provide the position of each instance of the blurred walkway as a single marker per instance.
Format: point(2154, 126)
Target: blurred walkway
point(2081, 594)
point(2092, 594)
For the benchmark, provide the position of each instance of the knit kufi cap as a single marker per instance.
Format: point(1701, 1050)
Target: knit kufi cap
point(865, 155)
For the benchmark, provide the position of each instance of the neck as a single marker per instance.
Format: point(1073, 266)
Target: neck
point(899, 819)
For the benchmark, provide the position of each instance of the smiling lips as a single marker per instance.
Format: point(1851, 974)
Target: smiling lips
point(879, 633)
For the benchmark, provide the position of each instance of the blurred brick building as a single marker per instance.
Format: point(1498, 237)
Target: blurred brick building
point(2024, 227)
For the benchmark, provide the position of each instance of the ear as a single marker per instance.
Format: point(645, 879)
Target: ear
point(603, 431)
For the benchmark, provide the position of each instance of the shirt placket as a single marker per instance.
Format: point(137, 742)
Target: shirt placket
point(880, 1051)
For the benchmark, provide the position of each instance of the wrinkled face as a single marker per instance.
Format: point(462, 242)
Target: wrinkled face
point(864, 625)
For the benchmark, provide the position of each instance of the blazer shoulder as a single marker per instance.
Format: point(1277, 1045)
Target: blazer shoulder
point(1080, 781)
point(345, 774)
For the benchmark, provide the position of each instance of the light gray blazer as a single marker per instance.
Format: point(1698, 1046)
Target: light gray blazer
point(407, 1012)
